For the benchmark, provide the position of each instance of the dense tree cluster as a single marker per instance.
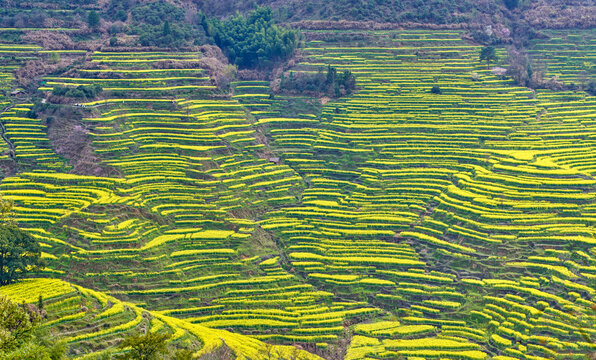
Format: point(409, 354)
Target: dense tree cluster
point(93, 19)
point(332, 83)
point(16, 326)
point(118, 9)
point(19, 254)
point(12, 16)
point(394, 11)
point(155, 13)
point(161, 24)
point(252, 41)
point(151, 346)
point(511, 4)
point(81, 91)
point(145, 347)
point(20, 19)
point(21, 337)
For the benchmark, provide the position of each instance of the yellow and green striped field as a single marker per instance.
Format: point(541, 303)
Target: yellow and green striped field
point(393, 223)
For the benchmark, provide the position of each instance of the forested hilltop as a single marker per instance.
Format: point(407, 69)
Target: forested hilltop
point(297, 180)
point(541, 13)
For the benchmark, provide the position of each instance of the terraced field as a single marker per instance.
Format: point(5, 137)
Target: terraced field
point(11, 57)
point(569, 56)
point(474, 190)
point(455, 226)
point(93, 318)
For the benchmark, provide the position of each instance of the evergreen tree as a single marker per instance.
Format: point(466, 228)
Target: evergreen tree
point(331, 75)
point(511, 4)
point(20, 253)
point(93, 19)
point(121, 15)
point(166, 28)
point(488, 54)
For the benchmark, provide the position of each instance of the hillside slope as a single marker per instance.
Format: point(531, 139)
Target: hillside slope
point(439, 211)
point(90, 317)
point(393, 222)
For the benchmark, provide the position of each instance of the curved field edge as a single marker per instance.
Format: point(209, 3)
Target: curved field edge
point(57, 292)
